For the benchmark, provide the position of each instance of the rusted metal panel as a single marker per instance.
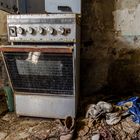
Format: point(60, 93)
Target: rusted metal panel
point(48, 50)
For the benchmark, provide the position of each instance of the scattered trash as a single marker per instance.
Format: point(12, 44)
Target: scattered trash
point(133, 105)
point(113, 118)
point(128, 107)
point(33, 57)
point(83, 131)
point(66, 137)
point(95, 137)
point(68, 131)
point(95, 111)
point(113, 122)
point(69, 123)
point(105, 134)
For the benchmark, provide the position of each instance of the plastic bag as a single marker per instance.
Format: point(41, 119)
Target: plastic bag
point(134, 109)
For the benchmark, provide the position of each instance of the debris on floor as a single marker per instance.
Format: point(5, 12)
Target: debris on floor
point(132, 106)
point(3, 104)
point(27, 128)
point(105, 121)
point(102, 121)
point(125, 129)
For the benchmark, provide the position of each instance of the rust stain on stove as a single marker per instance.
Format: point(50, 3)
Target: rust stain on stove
point(48, 50)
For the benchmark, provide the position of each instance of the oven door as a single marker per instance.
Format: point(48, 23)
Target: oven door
point(48, 71)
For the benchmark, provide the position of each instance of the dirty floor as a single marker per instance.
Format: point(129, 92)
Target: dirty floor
point(27, 128)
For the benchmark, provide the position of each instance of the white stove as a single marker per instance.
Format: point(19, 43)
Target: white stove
point(43, 63)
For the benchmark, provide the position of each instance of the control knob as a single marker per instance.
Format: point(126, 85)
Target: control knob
point(61, 31)
point(30, 30)
point(20, 30)
point(41, 30)
point(50, 30)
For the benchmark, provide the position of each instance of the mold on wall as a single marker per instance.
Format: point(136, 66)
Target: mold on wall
point(110, 46)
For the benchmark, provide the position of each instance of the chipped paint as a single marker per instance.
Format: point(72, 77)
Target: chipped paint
point(127, 21)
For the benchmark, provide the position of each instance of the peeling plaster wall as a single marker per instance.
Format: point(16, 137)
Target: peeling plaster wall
point(3, 40)
point(110, 55)
point(3, 23)
point(127, 21)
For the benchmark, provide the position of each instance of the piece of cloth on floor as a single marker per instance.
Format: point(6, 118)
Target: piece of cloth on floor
point(95, 111)
point(133, 105)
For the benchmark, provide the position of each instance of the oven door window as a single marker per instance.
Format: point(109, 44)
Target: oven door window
point(40, 72)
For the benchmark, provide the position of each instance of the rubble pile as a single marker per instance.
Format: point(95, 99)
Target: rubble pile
point(126, 129)
point(102, 121)
point(27, 128)
point(105, 121)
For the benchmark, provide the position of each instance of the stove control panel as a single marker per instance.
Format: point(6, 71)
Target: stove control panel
point(42, 28)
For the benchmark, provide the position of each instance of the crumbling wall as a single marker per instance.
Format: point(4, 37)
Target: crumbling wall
point(110, 55)
point(3, 40)
point(3, 25)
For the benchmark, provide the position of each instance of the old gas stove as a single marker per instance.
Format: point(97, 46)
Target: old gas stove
point(43, 63)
